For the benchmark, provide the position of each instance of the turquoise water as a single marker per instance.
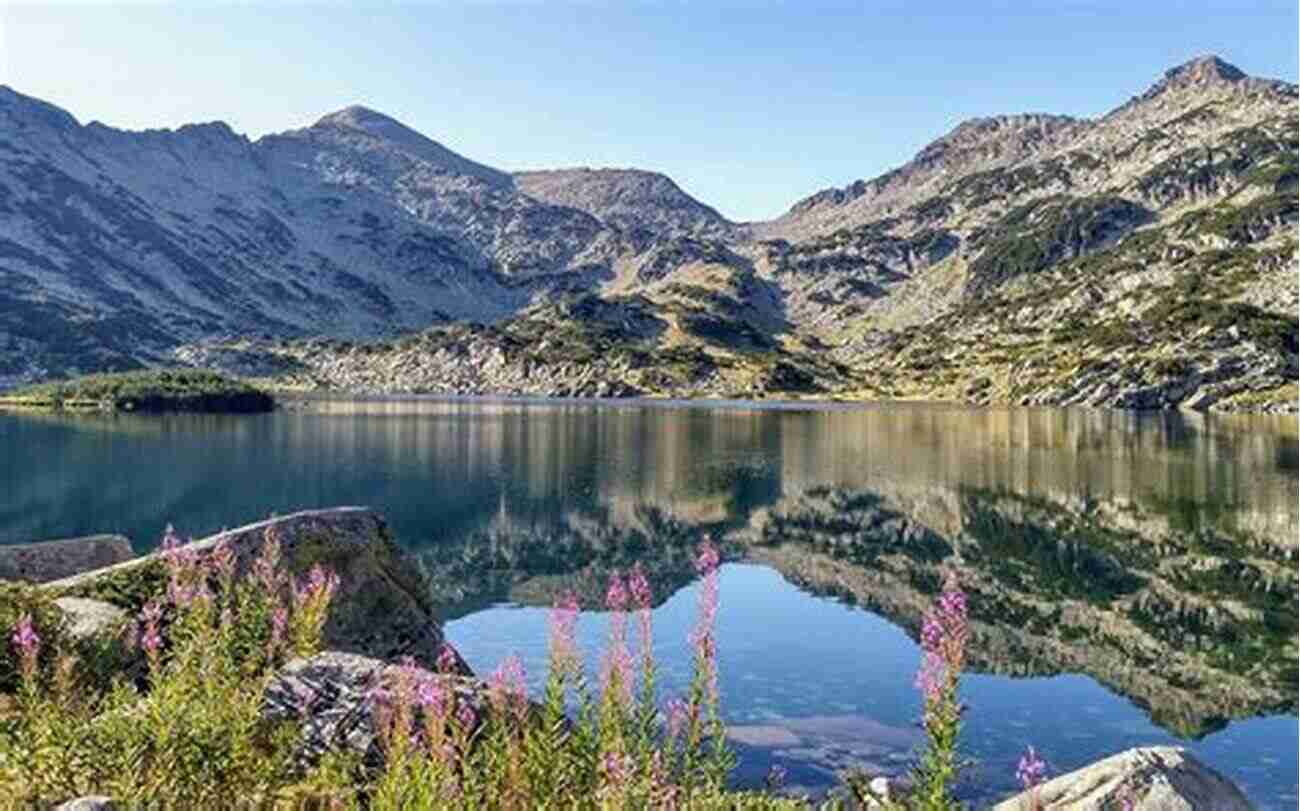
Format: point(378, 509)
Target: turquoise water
point(1132, 578)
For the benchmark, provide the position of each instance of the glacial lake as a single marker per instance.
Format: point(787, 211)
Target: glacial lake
point(1132, 577)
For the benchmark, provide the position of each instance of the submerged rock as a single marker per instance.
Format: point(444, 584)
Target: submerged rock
point(44, 561)
point(1155, 778)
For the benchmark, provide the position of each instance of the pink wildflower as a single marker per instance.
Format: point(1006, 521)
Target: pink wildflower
point(616, 670)
point(151, 639)
point(1032, 770)
point(448, 661)
point(616, 594)
point(508, 687)
point(25, 638)
point(563, 636)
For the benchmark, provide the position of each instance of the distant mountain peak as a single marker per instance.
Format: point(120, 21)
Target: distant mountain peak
point(356, 116)
point(393, 133)
point(1204, 68)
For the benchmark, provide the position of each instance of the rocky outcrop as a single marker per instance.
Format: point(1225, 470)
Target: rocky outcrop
point(1157, 778)
point(381, 608)
point(53, 560)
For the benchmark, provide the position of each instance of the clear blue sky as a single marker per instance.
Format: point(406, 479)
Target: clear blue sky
point(749, 106)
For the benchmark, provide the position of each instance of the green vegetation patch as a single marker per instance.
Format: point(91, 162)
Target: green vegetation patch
point(147, 390)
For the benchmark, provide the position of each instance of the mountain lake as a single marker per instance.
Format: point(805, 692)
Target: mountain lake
point(1132, 577)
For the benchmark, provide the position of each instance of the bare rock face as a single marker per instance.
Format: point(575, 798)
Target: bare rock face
point(381, 608)
point(44, 561)
point(1157, 778)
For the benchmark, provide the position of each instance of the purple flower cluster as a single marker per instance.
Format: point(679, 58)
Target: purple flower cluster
point(702, 637)
point(616, 670)
point(1032, 770)
point(28, 645)
point(151, 633)
point(945, 630)
point(563, 633)
point(448, 661)
point(508, 686)
point(25, 639)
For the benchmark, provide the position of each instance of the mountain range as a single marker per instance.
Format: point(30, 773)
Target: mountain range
point(1145, 258)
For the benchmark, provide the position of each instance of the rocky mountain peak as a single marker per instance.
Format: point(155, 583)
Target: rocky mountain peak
point(996, 136)
point(1204, 69)
point(358, 123)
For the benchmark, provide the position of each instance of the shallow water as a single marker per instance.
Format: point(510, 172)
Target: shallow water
point(1132, 578)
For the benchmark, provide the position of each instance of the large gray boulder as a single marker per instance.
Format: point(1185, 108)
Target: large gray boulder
point(334, 697)
point(44, 561)
point(96, 803)
point(1154, 778)
point(382, 607)
point(90, 618)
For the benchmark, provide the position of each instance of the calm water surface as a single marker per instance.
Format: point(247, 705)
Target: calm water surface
point(1132, 578)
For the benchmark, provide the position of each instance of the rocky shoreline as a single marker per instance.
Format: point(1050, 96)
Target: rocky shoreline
point(383, 615)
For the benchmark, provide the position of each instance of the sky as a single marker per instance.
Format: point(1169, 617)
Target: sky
point(748, 106)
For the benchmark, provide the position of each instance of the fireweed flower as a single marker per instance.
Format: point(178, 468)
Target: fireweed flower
point(617, 667)
point(279, 622)
point(563, 633)
point(431, 695)
point(151, 638)
point(678, 712)
point(1032, 770)
point(702, 637)
point(508, 687)
point(265, 567)
point(24, 637)
point(447, 659)
point(28, 645)
point(466, 717)
point(221, 563)
point(639, 587)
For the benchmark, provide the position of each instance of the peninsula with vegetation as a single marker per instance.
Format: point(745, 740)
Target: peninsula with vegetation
point(1145, 258)
point(146, 390)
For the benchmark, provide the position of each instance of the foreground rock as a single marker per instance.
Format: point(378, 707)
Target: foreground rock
point(44, 561)
point(334, 696)
point(90, 618)
point(381, 609)
point(1157, 778)
point(96, 803)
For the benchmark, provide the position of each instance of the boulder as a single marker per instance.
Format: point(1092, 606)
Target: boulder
point(333, 694)
point(382, 607)
point(44, 561)
point(96, 803)
point(1155, 778)
point(88, 618)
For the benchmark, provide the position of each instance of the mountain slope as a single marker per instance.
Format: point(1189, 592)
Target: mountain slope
point(1144, 258)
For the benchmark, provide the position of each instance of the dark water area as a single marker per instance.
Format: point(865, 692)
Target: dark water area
point(1132, 578)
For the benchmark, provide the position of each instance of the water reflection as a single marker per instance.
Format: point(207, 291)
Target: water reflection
point(1155, 554)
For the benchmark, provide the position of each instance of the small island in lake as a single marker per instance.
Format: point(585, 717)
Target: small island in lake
point(153, 390)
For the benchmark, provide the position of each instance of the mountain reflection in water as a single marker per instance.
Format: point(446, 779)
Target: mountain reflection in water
point(1154, 553)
